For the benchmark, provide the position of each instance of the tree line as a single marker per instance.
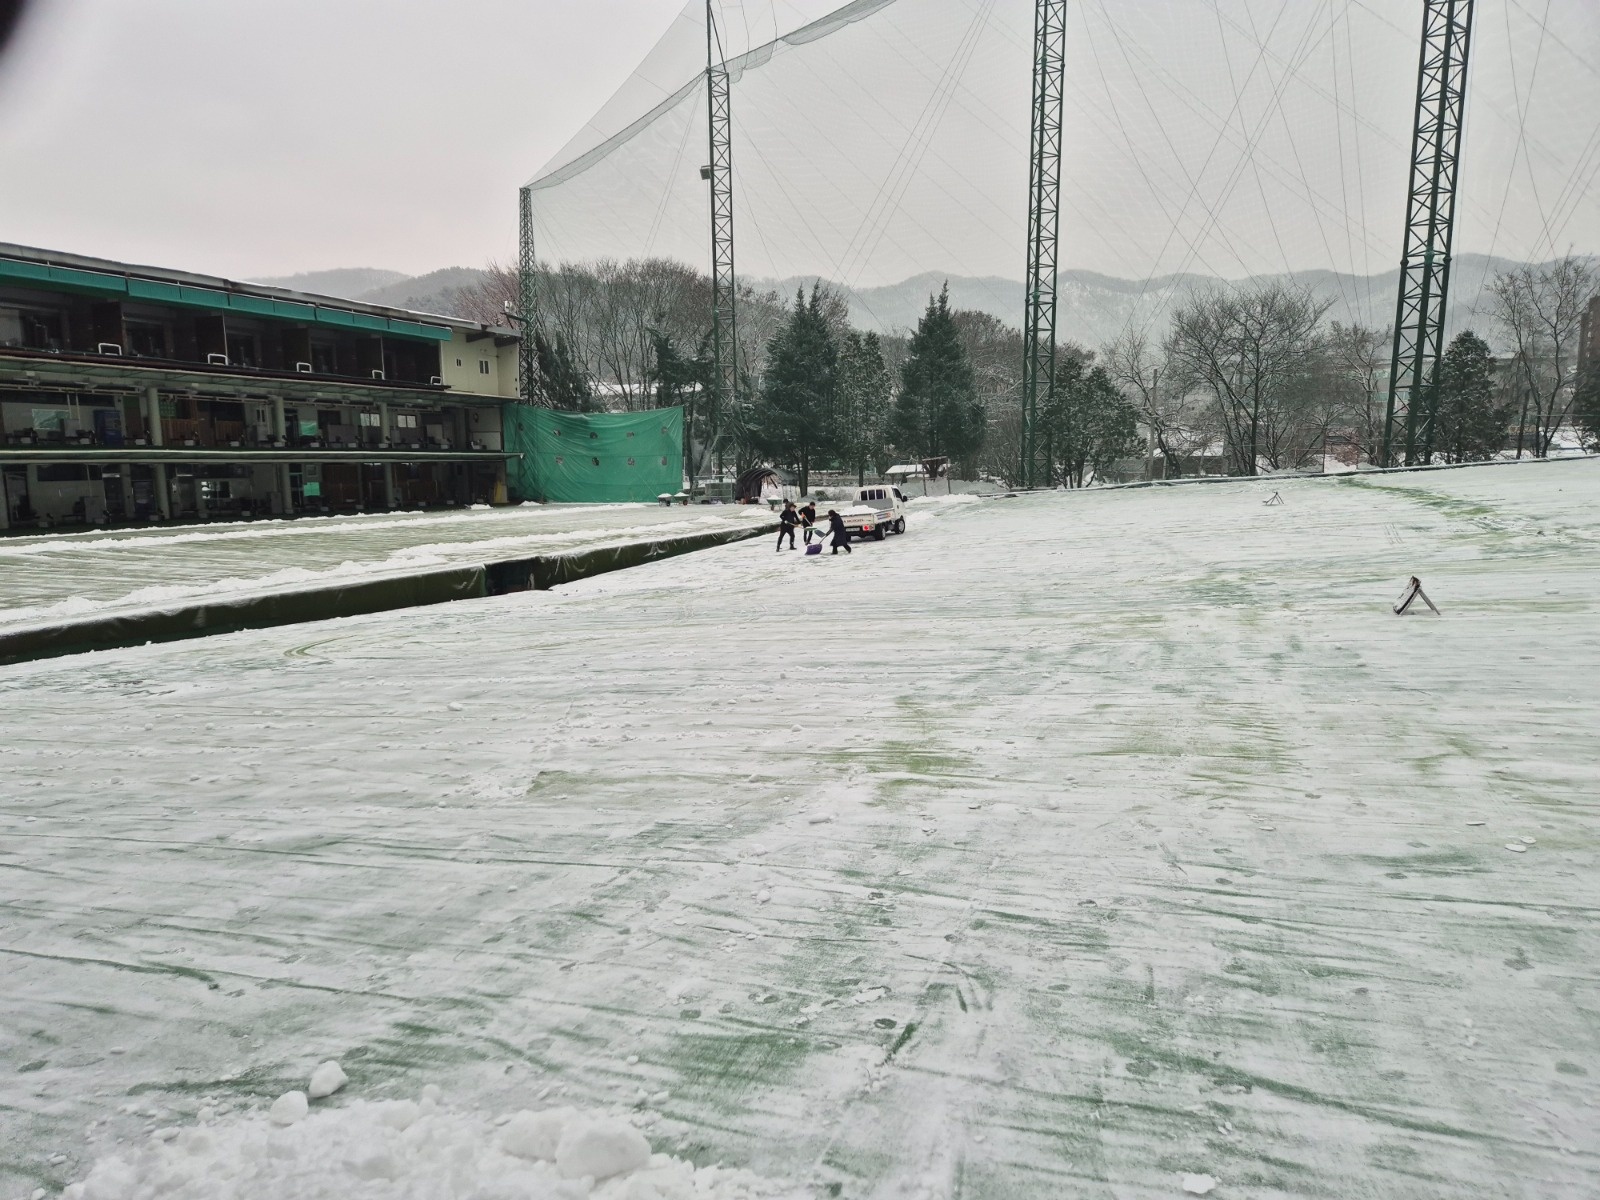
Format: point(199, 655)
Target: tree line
point(1247, 378)
point(1251, 378)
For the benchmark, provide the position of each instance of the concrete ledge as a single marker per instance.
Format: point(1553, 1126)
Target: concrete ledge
point(438, 586)
point(551, 570)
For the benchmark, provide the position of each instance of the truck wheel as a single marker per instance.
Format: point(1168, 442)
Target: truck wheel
point(877, 534)
point(900, 525)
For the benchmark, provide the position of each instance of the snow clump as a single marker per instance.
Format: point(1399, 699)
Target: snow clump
point(288, 1108)
point(327, 1079)
point(402, 1149)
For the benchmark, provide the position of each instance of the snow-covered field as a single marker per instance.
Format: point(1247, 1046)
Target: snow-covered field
point(1070, 845)
point(54, 577)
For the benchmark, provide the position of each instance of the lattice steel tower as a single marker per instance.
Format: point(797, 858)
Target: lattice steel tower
point(1044, 224)
point(1430, 218)
point(724, 345)
point(527, 356)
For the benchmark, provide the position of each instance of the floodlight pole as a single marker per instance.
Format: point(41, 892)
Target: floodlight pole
point(1430, 219)
point(1044, 224)
point(719, 173)
point(527, 356)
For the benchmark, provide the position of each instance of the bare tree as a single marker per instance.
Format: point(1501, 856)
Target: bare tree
point(1358, 365)
point(1255, 351)
point(1540, 311)
point(486, 301)
point(1179, 423)
point(995, 351)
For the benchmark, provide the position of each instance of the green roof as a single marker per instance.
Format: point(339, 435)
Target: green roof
point(39, 275)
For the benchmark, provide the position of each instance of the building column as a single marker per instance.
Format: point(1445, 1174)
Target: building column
point(383, 423)
point(163, 495)
point(152, 408)
point(152, 403)
point(5, 502)
point(388, 486)
point(285, 493)
point(280, 432)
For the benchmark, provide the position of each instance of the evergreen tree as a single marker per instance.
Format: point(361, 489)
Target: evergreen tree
point(679, 381)
point(562, 383)
point(863, 402)
point(794, 419)
point(938, 413)
point(1472, 423)
point(1089, 423)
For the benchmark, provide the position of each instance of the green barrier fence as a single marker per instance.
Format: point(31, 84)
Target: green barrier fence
point(593, 458)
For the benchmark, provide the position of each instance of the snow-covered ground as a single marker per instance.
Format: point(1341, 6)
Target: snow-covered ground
point(54, 577)
point(1073, 844)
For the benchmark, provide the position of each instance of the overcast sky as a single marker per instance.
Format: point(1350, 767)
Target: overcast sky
point(262, 137)
point(254, 138)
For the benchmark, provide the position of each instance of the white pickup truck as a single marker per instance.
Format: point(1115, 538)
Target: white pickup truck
point(879, 509)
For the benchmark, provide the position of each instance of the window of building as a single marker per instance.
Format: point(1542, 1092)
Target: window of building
point(324, 359)
point(483, 366)
point(458, 362)
point(63, 473)
point(41, 330)
point(242, 350)
point(405, 420)
point(147, 339)
point(367, 419)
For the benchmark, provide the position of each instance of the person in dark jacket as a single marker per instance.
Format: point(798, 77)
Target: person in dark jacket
point(787, 520)
point(840, 537)
point(808, 518)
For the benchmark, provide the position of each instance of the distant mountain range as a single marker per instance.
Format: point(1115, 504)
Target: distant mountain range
point(348, 283)
point(1091, 308)
point(434, 292)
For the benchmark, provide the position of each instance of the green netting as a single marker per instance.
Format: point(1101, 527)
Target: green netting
point(589, 458)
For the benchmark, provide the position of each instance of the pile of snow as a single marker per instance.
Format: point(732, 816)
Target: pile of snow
point(408, 1150)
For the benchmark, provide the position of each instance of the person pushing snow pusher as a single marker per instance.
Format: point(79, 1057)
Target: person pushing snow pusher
point(808, 518)
point(787, 520)
point(841, 536)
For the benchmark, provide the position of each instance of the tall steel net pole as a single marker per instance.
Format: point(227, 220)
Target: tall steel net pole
point(527, 355)
point(1430, 219)
point(724, 344)
point(1044, 223)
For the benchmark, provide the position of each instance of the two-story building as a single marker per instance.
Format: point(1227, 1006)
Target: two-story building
point(131, 394)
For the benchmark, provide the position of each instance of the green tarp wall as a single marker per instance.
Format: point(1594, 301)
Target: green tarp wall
point(607, 458)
